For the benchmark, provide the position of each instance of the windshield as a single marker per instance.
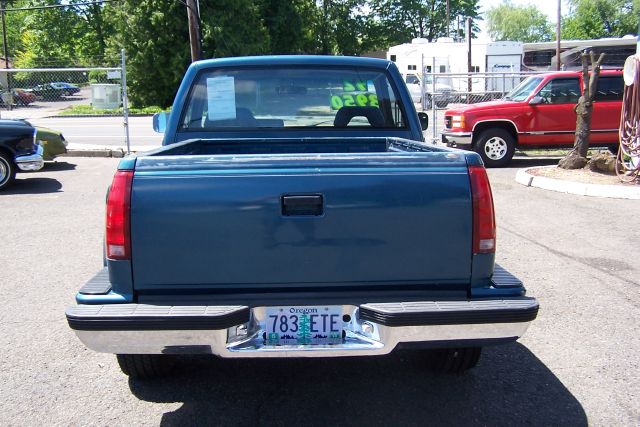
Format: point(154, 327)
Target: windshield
point(292, 97)
point(523, 90)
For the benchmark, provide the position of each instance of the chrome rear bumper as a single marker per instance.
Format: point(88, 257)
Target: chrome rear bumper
point(237, 331)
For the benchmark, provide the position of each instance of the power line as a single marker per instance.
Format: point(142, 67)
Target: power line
point(51, 6)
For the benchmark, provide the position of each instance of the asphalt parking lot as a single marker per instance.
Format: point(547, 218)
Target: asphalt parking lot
point(578, 364)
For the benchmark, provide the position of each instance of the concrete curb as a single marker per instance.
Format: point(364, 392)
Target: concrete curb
point(593, 190)
point(118, 153)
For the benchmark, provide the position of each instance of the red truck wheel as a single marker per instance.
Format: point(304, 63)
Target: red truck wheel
point(496, 147)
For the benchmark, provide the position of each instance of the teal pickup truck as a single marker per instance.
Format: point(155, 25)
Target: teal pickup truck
point(295, 211)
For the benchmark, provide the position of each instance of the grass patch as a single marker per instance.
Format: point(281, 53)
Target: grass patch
point(85, 110)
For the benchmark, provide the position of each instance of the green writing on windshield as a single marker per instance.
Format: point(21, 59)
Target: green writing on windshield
point(354, 100)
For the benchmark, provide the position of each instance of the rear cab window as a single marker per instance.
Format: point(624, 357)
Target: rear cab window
point(292, 97)
point(610, 88)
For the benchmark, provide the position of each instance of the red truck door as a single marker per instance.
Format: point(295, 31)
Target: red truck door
point(553, 122)
point(607, 106)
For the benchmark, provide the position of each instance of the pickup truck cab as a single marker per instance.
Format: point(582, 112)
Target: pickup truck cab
point(306, 222)
point(442, 92)
point(538, 113)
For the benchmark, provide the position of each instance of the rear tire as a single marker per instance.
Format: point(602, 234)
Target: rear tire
point(496, 147)
point(7, 171)
point(453, 360)
point(146, 366)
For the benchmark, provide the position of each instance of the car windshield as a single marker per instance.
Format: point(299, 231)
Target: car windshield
point(292, 97)
point(523, 90)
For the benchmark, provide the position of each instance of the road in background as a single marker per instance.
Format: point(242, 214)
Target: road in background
point(577, 364)
point(104, 131)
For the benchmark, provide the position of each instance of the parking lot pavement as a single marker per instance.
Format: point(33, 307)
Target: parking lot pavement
point(577, 364)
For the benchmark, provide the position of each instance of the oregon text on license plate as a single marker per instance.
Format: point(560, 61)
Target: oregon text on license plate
point(304, 325)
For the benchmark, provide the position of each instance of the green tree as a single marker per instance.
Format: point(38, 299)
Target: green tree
point(518, 23)
point(290, 24)
point(48, 37)
point(343, 28)
point(93, 32)
point(402, 20)
point(156, 38)
point(593, 19)
point(60, 36)
point(224, 33)
point(15, 25)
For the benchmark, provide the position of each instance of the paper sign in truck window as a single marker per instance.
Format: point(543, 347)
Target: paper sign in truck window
point(221, 98)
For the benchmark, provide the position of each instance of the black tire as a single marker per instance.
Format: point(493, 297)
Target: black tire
point(454, 360)
point(7, 171)
point(613, 149)
point(496, 147)
point(146, 366)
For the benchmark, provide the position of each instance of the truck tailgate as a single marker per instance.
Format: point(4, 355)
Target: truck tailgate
point(206, 223)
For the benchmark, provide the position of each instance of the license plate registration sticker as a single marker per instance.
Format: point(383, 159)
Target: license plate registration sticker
point(304, 325)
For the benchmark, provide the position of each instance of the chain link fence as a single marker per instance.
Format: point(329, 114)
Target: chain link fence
point(61, 91)
point(438, 92)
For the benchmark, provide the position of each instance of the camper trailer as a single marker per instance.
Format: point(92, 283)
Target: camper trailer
point(440, 69)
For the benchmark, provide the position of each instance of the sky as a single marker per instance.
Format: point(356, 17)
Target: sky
point(548, 7)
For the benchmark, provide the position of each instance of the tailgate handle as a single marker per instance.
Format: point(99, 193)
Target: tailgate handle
point(311, 205)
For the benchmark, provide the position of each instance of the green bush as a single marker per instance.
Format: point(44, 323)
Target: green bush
point(96, 76)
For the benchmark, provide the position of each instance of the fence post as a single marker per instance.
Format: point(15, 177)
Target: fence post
point(433, 100)
point(125, 101)
point(424, 75)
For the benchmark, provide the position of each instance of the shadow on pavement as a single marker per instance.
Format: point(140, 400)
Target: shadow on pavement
point(510, 386)
point(33, 186)
point(58, 166)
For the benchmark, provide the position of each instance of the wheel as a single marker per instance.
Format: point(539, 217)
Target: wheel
point(146, 366)
point(496, 147)
point(7, 171)
point(454, 360)
point(613, 149)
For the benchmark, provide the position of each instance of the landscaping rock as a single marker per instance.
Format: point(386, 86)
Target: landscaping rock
point(603, 162)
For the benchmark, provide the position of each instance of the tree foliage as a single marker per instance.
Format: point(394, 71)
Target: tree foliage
point(593, 19)
point(403, 20)
point(519, 23)
point(155, 36)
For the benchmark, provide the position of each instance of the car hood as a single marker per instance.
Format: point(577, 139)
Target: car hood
point(483, 106)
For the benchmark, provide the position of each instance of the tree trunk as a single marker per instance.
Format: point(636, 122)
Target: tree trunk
point(577, 157)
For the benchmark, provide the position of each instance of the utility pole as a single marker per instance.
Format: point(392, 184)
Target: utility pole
point(469, 66)
point(3, 5)
point(325, 27)
point(194, 30)
point(558, 61)
point(448, 21)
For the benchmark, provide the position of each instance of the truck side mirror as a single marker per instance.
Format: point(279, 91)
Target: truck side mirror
point(536, 100)
point(160, 121)
point(424, 120)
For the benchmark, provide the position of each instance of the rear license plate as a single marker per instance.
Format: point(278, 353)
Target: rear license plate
point(304, 325)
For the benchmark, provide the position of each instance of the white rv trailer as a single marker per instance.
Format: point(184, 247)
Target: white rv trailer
point(420, 58)
point(542, 56)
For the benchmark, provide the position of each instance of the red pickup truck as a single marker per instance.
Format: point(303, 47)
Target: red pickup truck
point(538, 113)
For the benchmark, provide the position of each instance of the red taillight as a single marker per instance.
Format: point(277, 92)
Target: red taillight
point(484, 221)
point(118, 216)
